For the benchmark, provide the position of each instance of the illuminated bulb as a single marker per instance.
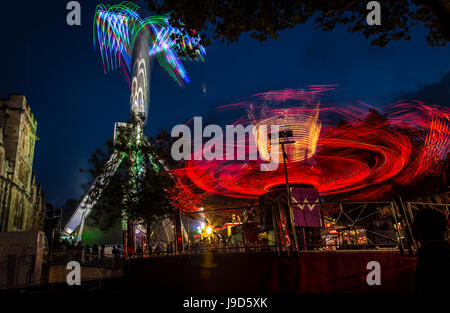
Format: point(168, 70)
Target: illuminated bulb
point(208, 230)
point(304, 124)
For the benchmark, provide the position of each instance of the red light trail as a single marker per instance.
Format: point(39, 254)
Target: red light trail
point(365, 155)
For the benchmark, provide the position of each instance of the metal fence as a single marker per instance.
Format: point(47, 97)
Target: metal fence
point(62, 257)
point(346, 226)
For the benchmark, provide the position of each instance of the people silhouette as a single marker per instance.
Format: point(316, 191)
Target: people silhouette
point(433, 261)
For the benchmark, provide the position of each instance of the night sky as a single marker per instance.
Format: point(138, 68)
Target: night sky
point(76, 104)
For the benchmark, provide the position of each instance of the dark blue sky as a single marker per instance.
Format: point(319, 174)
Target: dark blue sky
point(76, 104)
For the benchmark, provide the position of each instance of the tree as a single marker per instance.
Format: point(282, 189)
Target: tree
point(138, 196)
point(264, 19)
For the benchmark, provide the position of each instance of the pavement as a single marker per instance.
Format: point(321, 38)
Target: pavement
point(58, 273)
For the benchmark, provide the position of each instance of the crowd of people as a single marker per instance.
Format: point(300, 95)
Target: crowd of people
point(85, 254)
point(160, 248)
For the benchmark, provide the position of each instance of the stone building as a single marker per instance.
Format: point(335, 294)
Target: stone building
point(22, 201)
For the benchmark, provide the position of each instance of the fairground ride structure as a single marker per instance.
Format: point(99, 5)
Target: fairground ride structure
point(130, 42)
point(353, 152)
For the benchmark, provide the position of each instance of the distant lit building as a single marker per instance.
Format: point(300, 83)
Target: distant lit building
point(22, 201)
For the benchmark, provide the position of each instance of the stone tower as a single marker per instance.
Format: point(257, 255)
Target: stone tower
point(21, 199)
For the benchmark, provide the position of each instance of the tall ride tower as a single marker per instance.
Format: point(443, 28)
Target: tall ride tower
point(130, 42)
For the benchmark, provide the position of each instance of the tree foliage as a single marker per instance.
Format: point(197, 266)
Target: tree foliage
point(138, 196)
point(264, 19)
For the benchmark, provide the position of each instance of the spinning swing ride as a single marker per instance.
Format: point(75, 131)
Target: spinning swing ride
point(336, 149)
point(354, 152)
